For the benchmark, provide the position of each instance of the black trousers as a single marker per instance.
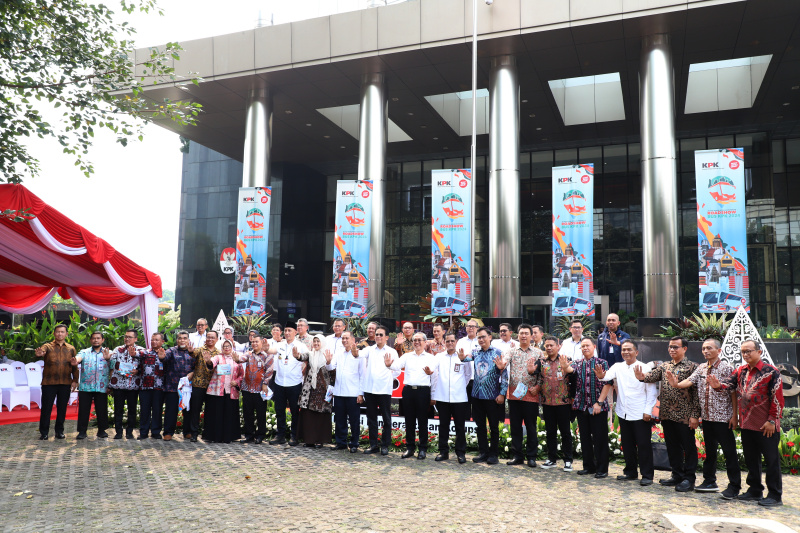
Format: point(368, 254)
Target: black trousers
point(171, 401)
point(379, 404)
point(416, 401)
point(637, 449)
point(754, 446)
point(85, 409)
point(681, 450)
point(346, 411)
point(60, 395)
point(283, 397)
point(470, 399)
point(121, 397)
point(195, 408)
point(483, 410)
point(254, 412)
point(520, 412)
point(557, 419)
point(718, 433)
point(152, 403)
point(458, 412)
point(593, 430)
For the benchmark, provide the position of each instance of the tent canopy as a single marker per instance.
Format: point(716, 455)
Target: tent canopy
point(48, 252)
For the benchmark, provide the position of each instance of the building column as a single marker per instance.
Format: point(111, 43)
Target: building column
point(372, 137)
point(258, 139)
point(659, 180)
point(504, 212)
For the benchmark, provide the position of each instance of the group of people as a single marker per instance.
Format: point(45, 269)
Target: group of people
point(472, 377)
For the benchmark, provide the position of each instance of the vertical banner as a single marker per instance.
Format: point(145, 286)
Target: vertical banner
point(573, 244)
point(350, 288)
point(451, 250)
point(252, 238)
point(721, 230)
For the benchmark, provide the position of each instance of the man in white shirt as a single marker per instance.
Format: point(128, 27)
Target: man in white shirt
point(277, 336)
point(346, 391)
point(227, 335)
point(635, 402)
point(450, 397)
point(538, 337)
point(198, 338)
point(334, 342)
point(571, 347)
point(377, 383)
point(505, 342)
point(468, 345)
point(302, 333)
point(287, 384)
point(418, 366)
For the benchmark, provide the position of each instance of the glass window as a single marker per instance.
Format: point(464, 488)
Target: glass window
point(542, 164)
point(615, 158)
point(688, 147)
point(566, 157)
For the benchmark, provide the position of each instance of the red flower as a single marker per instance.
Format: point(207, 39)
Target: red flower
point(404, 441)
point(790, 444)
point(793, 471)
point(661, 435)
point(796, 457)
point(397, 444)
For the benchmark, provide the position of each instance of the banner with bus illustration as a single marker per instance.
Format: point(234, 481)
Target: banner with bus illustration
point(721, 230)
point(252, 238)
point(451, 250)
point(573, 244)
point(350, 287)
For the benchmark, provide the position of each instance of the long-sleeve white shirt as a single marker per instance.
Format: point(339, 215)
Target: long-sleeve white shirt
point(572, 349)
point(634, 398)
point(377, 378)
point(413, 365)
point(452, 376)
point(469, 346)
point(348, 373)
point(198, 339)
point(334, 344)
point(288, 370)
point(504, 346)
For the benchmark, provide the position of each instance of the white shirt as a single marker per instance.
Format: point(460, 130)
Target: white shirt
point(273, 343)
point(469, 346)
point(376, 377)
point(572, 349)
point(334, 344)
point(452, 376)
point(197, 339)
point(288, 370)
point(237, 347)
point(348, 373)
point(504, 346)
point(413, 364)
point(634, 398)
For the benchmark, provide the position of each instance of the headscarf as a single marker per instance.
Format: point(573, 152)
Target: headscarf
point(316, 359)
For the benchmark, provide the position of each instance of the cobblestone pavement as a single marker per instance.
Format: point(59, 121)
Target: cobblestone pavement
point(126, 485)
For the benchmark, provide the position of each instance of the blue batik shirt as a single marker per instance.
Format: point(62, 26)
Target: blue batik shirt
point(489, 382)
point(95, 371)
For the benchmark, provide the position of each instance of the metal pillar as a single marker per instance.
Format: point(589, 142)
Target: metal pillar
point(659, 179)
point(504, 212)
point(258, 139)
point(372, 136)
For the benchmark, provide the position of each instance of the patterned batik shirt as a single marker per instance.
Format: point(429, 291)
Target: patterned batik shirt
point(403, 345)
point(119, 358)
point(178, 363)
point(436, 347)
point(553, 382)
point(94, 371)
point(202, 374)
point(760, 395)
point(258, 370)
point(588, 387)
point(518, 372)
point(715, 405)
point(58, 369)
point(489, 381)
point(152, 371)
point(678, 405)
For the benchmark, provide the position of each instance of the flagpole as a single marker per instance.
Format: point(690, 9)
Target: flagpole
point(472, 148)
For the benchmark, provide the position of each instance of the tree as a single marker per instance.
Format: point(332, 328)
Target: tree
point(74, 57)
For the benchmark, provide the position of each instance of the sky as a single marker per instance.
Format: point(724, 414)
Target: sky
point(133, 198)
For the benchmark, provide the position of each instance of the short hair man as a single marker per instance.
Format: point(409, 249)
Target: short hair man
point(464, 348)
point(571, 346)
point(506, 341)
point(404, 343)
point(346, 391)
point(609, 342)
point(333, 342)
point(437, 345)
point(93, 387)
point(151, 395)
point(258, 371)
point(59, 379)
point(450, 397)
point(302, 333)
point(126, 382)
point(552, 385)
point(376, 387)
point(370, 338)
point(538, 337)
point(276, 336)
point(178, 363)
point(288, 384)
point(201, 376)
point(198, 338)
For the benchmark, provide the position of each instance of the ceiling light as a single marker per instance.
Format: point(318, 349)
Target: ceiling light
point(436, 138)
point(786, 103)
point(288, 111)
point(423, 126)
point(538, 129)
point(341, 147)
point(795, 87)
point(532, 115)
point(327, 136)
point(309, 125)
point(444, 148)
point(524, 101)
point(395, 99)
point(779, 116)
point(410, 114)
point(544, 138)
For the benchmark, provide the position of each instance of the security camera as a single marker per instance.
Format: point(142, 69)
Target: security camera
point(489, 2)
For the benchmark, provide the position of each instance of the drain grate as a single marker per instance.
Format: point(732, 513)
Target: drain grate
point(729, 527)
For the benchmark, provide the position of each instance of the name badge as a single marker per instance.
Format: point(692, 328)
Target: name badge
point(457, 367)
point(259, 364)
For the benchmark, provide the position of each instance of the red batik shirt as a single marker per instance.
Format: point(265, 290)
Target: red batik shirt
point(760, 394)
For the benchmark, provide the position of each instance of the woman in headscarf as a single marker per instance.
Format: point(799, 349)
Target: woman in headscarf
point(316, 412)
point(222, 397)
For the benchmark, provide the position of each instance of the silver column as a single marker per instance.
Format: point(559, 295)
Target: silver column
point(659, 179)
point(372, 136)
point(258, 139)
point(504, 211)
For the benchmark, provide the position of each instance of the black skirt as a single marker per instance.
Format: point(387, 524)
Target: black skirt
point(221, 419)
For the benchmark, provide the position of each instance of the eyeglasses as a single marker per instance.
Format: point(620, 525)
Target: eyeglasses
point(417, 340)
point(576, 327)
point(380, 334)
point(130, 336)
point(503, 331)
point(747, 352)
point(673, 347)
point(471, 326)
point(450, 340)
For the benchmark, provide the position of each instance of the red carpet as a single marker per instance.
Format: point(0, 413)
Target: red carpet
point(20, 415)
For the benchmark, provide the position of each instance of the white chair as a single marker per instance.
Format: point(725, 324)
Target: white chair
point(20, 378)
point(40, 362)
point(34, 374)
point(13, 395)
point(73, 396)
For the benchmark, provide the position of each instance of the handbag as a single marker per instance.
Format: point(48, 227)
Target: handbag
point(660, 457)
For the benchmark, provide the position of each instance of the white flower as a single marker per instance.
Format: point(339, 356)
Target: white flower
point(508, 439)
point(506, 448)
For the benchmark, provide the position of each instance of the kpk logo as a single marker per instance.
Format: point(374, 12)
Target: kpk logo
point(444, 184)
point(567, 179)
point(348, 193)
point(227, 261)
point(709, 165)
point(574, 202)
point(722, 190)
point(352, 212)
point(450, 209)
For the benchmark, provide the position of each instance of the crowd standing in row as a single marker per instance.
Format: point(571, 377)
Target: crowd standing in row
point(473, 377)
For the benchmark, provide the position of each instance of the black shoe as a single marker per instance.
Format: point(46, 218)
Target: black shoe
point(645, 482)
point(141, 437)
point(318, 446)
point(60, 436)
point(193, 439)
point(481, 458)
point(462, 459)
point(293, 442)
point(749, 497)
point(531, 463)
point(102, 435)
point(80, 436)
point(442, 457)
point(384, 451)
point(308, 445)
point(515, 461)
point(354, 449)
point(129, 435)
point(669, 482)
point(156, 436)
point(586, 472)
point(729, 494)
point(492, 460)
point(769, 502)
point(278, 440)
point(118, 435)
point(706, 486)
point(43, 436)
point(601, 475)
point(248, 439)
point(409, 453)
point(336, 448)
point(422, 455)
point(624, 477)
point(258, 440)
point(684, 486)
point(370, 451)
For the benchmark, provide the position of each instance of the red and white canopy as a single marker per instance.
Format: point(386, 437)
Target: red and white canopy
point(49, 252)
